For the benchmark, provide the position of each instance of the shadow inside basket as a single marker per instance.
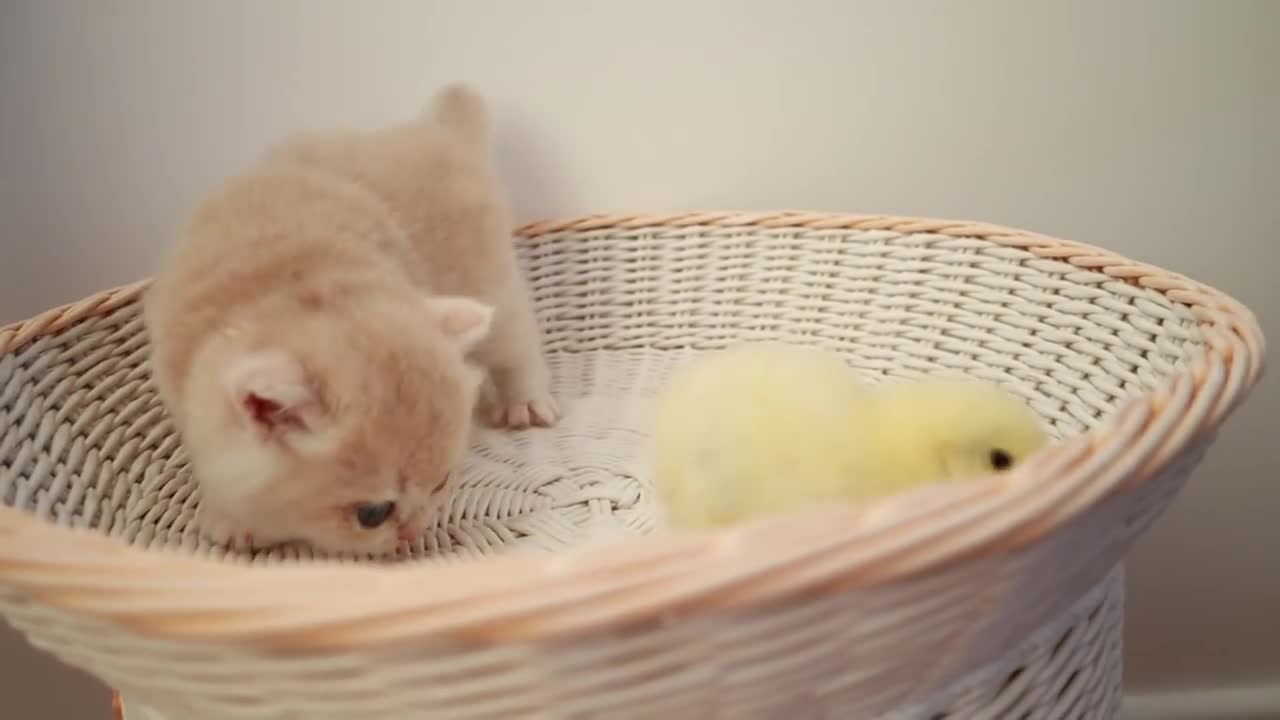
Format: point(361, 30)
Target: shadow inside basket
point(85, 442)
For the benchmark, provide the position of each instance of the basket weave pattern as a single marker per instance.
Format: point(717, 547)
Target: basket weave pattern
point(977, 601)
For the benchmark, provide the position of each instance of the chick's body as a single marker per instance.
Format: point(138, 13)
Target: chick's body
point(733, 427)
point(770, 428)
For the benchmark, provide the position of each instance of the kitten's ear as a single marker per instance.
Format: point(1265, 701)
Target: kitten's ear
point(270, 391)
point(463, 320)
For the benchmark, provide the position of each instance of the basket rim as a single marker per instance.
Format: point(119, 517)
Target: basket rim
point(171, 594)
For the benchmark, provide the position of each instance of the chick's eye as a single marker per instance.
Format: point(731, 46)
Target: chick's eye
point(372, 515)
point(1000, 459)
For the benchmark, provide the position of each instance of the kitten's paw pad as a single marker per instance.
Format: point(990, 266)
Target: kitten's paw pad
point(541, 411)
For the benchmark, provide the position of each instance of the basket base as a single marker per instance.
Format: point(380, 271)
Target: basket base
point(134, 711)
point(1071, 668)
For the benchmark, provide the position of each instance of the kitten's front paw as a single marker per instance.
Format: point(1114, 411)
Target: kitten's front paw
point(517, 413)
point(223, 531)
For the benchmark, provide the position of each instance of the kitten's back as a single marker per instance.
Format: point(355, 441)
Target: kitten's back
point(436, 175)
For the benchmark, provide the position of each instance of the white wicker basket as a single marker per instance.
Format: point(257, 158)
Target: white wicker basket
point(998, 600)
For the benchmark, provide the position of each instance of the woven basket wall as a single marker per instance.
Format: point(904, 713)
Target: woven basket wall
point(544, 593)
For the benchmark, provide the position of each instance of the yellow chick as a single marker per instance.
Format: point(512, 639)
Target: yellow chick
point(769, 428)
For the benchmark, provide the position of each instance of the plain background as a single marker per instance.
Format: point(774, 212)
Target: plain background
point(1148, 127)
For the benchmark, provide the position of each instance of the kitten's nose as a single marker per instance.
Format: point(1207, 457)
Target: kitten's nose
point(407, 534)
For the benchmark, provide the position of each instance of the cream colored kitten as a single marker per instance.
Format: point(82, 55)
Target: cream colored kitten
point(313, 334)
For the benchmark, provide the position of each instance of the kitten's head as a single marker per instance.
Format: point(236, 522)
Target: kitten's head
point(342, 434)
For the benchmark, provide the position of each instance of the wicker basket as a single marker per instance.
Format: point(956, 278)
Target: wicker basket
point(1001, 599)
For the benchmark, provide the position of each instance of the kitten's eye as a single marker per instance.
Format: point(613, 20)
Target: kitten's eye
point(371, 515)
point(1000, 459)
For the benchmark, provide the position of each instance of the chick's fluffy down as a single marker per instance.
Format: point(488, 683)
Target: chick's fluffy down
point(735, 432)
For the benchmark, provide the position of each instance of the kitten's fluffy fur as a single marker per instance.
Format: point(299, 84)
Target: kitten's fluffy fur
point(312, 336)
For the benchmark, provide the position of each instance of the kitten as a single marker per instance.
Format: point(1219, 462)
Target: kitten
point(322, 334)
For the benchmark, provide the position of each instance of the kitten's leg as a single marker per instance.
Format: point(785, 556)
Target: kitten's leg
point(519, 395)
point(222, 528)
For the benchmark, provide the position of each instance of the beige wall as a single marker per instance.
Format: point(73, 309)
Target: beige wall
point(1145, 126)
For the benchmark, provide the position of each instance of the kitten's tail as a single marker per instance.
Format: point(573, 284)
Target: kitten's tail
point(462, 111)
